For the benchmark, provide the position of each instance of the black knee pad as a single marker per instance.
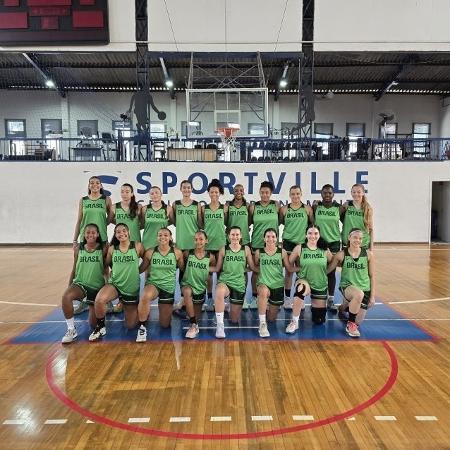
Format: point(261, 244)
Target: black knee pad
point(318, 315)
point(300, 290)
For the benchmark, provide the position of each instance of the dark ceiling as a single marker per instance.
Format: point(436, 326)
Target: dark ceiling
point(339, 72)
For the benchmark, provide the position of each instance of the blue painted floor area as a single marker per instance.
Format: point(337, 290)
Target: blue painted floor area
point(382, 323)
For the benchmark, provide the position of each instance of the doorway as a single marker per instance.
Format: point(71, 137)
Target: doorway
point(440, 212)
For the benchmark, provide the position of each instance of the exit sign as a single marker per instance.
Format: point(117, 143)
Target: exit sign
point(53, 22)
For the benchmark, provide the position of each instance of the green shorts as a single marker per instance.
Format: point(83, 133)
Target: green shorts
point(365, 300)
point(319, 295)
point(88, 292)
point(127, 299)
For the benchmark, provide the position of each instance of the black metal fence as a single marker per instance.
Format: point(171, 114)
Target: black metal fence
point(139, 148)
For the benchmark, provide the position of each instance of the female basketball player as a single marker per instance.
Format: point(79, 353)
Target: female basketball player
point(357, 280)
point(200, 263)
point(327, 214)
point(86, 278)
point(238, 213)
point(312, 262)
point(162, 263)
point(154, 216)
point(213, 219)
point(93, 208)
point(263, 215)
point(295, 216)
point(270, 284)
point(358, 214)
point(123, 258)
point(232, 262)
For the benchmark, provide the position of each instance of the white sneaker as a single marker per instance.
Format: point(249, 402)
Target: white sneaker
point(141, 334)
point(352, 329)
point(263, 331)
point(97, 333)
point(220, 331)
point(193, 331)
point(288, 303)
point(81, 307)
point(70, 336)
point(292, 327)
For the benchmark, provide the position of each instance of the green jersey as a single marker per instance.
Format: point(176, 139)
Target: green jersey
point(264, 217)
point(215, 227)
point(295, 224)
point(186, 224)
point(271, 269)
point(94, 211)
point(354, 218)
point(313, 268)
point(355, 271)
point(327, 219)
point(155, 219)
point(162, 270)
point(89, 267)
point(233, 269)
point(196, 273)
point(125, 270)
point(122, 216)
point(238, 217)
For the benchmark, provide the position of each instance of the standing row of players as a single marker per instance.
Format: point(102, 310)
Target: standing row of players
point(187, 215)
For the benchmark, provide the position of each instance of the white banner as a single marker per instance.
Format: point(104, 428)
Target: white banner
point(40, 200)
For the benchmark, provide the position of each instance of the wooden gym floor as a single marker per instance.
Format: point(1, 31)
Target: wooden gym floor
point(232, 394)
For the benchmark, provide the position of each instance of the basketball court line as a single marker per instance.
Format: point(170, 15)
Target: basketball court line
point(27, 304)
point(426, 300)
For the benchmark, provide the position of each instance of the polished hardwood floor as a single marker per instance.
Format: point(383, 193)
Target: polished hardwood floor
point(259, 392)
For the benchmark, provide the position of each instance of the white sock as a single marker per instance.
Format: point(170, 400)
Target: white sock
point(219, 318)
point(295, 319)
point(70, 323)
point(262, 318)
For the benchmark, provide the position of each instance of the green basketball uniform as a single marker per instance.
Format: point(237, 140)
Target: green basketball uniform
point(186, 224)
point(264, 217)
point(215, 227)
point(89, 268)
point(154, 221)
point(313, 268)
point(327, 219)
point(295, 224)
point(354, 218)
point(238, 217)
point(196, 273)
point(271, 269)
point(233, 269)
point(122, 216)
point(125, 272)
point(94, 211)
point(162, 271)
point(355, 272)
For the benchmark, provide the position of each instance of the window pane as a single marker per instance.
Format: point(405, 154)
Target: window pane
point(355, 129)
point(256, 129)
point(121, 125)
point(158, 130)
point(51, 126)
point(87, 128)
point(421, 128)
point(15, 128)
point(325, 129)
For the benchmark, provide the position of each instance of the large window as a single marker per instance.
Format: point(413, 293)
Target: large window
point(256, 129)
point(388, 131)
point(16, 129)
point(323, 131)
point(51, 126)
point(87, 128)
point(158, 130)
point(355, 131)
point(195, 128)
point(421, 131)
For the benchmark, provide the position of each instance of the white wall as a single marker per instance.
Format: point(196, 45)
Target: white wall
point(121, 18)
point(42, 205)
point(107, 106)
point(381, 25)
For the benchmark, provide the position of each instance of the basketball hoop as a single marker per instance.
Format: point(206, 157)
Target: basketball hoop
point(228, 136)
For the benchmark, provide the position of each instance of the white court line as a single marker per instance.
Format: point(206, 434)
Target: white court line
point(419, 301)
point(139, 420)
point(89, 421)
point(426, 418)
point(261, 418)
point(220, 419)
point(302, 417)
point(385, 418)
point(14, 422)
point(55, 422)
point(27, 304)
point(179, 419)
point(350, 419)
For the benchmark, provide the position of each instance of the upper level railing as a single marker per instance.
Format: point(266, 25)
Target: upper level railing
point(140, 148)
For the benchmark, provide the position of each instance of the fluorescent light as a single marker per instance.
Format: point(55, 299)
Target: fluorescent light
point(236, 126)
point(193, 124)
point(169, 83)
point(50, 83)
point(283, 83)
